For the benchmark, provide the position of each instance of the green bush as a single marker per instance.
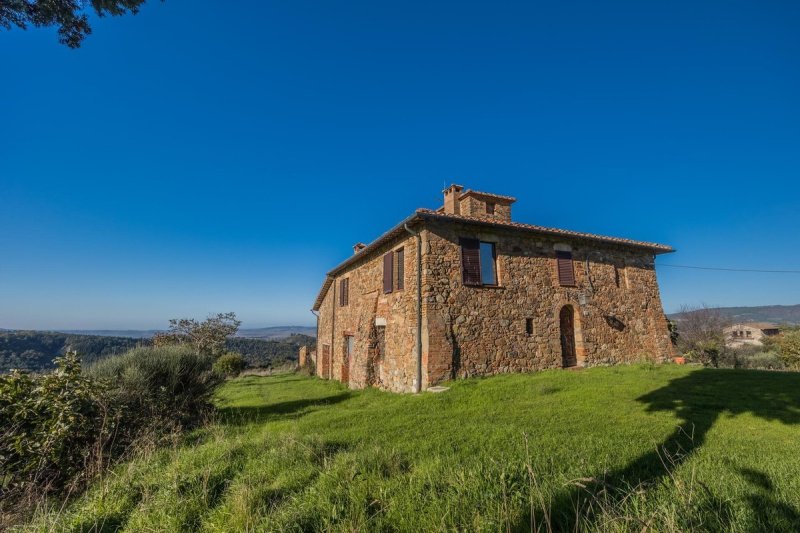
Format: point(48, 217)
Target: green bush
point(762, 361)
point(787, 344)
point(229, 364)
point(53, 428)
point(166, 386)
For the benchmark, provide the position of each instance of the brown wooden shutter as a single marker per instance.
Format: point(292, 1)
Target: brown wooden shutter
point(471, 261)
point(401, 269)
point(388, 272)
point(566, 272)
point(344, 292)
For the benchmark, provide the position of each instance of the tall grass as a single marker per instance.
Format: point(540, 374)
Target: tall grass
point(662, 448)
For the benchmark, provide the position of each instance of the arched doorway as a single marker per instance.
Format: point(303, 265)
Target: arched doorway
point(569, 355)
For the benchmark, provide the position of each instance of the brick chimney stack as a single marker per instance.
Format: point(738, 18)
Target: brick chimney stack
point(452, 204)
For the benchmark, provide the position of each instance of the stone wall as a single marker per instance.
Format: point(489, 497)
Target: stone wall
point(383, 326)
point(482, 330)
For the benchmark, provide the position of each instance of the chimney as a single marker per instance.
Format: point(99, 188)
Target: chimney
point(357, 247)
point(452, 206)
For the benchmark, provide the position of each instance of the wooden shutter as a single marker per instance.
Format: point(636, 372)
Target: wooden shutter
point(344, 292)
point(566, 273)
point(401, 269)
point(388, 272)
point(471, 261)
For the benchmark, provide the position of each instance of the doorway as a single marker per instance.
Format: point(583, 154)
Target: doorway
point(569, 356)
point(325, 371)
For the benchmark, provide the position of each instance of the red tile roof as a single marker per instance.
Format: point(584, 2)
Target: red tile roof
point(657, 248)
point(423, 214)
point(499, 197)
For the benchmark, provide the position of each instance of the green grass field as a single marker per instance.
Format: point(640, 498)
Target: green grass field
point(628, 448)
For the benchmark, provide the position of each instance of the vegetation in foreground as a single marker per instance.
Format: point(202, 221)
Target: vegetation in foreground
point(629, 448)
point(34, 351)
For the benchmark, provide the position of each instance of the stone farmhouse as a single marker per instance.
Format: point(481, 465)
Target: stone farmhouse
point(464, 290)
point(749, 333)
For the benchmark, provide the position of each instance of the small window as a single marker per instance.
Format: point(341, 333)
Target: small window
point(749, 333)
point(616, 276)
point(566, 272)
point(529, 326)
point(489, 208)
point(344, 290)
point(401, 269)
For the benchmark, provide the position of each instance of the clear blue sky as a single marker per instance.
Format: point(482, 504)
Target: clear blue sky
point(199, 158)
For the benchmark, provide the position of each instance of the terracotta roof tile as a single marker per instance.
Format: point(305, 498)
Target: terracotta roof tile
point(422, 213)
point(501, 197)
point(660, 248)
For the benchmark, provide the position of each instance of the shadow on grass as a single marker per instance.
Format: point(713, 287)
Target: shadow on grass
point(698, 400)
point(275, 411)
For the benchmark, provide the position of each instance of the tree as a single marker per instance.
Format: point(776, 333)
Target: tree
point(701, 334)
point(207, 337)
point(69, 15)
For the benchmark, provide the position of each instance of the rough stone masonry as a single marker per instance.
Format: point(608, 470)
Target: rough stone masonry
point(496, 296)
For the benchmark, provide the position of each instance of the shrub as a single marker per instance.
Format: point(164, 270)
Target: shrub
point(165, 386)
point(787, 344)
point(761, 361)
point(53, 428)
point(229, 364)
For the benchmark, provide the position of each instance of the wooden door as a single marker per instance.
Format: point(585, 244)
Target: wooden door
point(567, 321)
point(348, 351)
point(325, 371)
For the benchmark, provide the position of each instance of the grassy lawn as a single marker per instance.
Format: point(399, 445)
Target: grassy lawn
point(629, 448)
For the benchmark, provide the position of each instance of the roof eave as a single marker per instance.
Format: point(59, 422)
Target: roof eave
point(655, 247)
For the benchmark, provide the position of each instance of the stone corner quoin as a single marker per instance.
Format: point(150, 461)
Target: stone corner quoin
point(496, 296)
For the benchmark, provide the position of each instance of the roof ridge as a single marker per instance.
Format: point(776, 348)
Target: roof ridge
point(545, 229)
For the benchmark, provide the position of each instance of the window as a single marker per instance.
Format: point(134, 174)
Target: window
point(488, 274)
point(616, 276)
point(749, 333)
point(344, 292)
point(529, 326)
point(478, 262)
point(489, 208)
point(388, 272)
point(566, 272)
point(401, 269)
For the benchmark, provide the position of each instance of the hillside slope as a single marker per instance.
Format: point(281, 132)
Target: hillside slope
point(35, 350)
point(779, 314)
point(706, 450)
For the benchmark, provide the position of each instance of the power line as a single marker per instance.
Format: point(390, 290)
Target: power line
point(734, 269)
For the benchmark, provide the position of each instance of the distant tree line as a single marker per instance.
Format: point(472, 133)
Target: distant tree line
point(34, 351)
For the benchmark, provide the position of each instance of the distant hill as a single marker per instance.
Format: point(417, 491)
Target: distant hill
point(268, 333)
point(277, 332)
point(131, 333)
point(779, 314)
point(35, 350)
